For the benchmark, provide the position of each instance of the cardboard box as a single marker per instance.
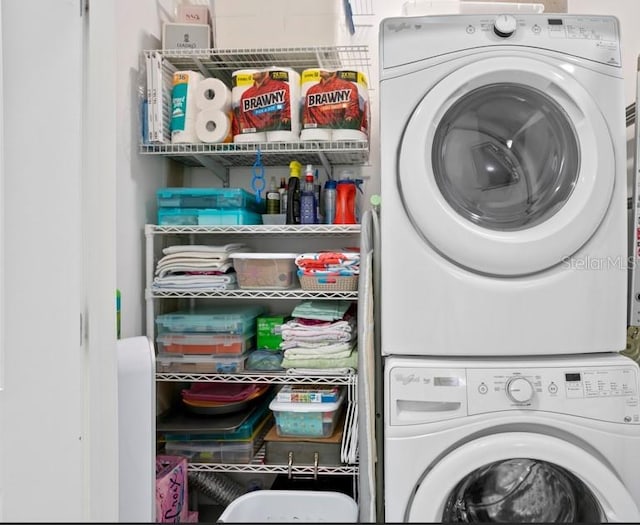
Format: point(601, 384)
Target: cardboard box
point(193, 14)
point(289, 23)
point(267, 337)
point(186, 36)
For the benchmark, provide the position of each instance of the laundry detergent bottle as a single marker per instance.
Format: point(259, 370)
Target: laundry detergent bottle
point(346, 190)
point(293, 193)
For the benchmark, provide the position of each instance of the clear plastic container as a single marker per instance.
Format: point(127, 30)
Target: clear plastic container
point(233, 319)
point(206, 344)
point(265, 271)
point(201, 364)
point(306, 419)
point(207, 217)
point(224, 198)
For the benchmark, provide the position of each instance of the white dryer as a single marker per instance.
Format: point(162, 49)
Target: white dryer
point(517, 440)
point(503, 182)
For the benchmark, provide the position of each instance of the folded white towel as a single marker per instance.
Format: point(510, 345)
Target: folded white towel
point(201, 248)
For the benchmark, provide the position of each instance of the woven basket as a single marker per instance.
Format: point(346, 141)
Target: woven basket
point(329, 283)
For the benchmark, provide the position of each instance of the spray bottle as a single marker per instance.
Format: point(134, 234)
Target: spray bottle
point(308, 214)
point(293, 193)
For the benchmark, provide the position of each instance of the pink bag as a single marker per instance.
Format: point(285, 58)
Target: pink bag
point(171, 489)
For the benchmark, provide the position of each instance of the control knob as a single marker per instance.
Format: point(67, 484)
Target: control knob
point(519, 390)
point(504, 25)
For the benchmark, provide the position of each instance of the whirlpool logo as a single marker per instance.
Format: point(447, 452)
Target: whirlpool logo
point(405, 379)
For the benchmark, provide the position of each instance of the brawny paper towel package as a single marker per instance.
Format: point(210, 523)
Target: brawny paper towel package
point(183, 106)
point(261, 102)
point(335, 105)
point(287, 113)
point(212, 93)
point(213, 126)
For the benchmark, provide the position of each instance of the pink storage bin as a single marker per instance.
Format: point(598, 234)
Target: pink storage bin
point(172, 505)
point(221, 392)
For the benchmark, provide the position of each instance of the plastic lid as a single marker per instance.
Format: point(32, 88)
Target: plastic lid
point(282, 406)
point(330, 184)
point(246, 255)
point(295, 168)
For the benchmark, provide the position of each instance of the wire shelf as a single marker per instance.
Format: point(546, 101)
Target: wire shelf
point(257, 465)
point(279, 378)
point(262, 229)
point(295, 293)
point(220, 63)
point(273, 153)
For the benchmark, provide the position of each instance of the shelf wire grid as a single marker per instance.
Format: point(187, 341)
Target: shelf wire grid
point(262, 229)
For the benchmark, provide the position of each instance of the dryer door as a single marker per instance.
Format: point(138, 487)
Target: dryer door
point(506, 166)
point(520, 477)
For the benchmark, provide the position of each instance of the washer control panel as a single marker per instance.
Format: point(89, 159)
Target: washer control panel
point(608, 394)
point(427, 394)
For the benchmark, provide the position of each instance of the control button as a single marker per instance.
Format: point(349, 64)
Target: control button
point(519, 390)
point(505, 25)
point(471, 29)
point(553, 388)
point(483, 388)
point(536, 29)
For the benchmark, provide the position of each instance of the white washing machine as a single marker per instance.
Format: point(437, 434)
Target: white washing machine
point(503, 181)
point(518, 440)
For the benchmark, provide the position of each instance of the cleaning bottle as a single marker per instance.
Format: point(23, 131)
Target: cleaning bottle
point(346, 200)
point(293, 193)
point(282, 190)
point(273, 198)
point(329, 198)
point(317, 191)
point(308, 199)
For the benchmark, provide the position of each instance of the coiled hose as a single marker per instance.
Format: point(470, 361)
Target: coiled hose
point(217, 486)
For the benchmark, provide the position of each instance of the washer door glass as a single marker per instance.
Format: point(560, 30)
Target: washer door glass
point(505, 156)
point(522, 491)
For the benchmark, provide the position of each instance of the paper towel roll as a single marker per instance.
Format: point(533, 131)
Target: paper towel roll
point(284, 126)
point(212, 93)
point(244, 130)
point(335, 100)
point(356, 128)
point(183, 106)
point(213, 126)
point(313, 125)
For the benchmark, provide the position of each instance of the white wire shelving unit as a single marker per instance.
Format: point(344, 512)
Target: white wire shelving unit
point(220, 63)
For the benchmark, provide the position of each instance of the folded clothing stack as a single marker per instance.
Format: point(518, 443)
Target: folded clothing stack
point(197, 267)
point(320, 337)
point(334, 263)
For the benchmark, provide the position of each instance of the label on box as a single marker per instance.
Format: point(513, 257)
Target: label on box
point(266, 328)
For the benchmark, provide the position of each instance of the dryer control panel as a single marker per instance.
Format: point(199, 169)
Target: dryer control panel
point(408, 40)
point(429, 394)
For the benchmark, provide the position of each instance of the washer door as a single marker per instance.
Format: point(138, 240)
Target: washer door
point(506, 166)
point(521, 477)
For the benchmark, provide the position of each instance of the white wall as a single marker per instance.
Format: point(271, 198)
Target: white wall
point(137, 176)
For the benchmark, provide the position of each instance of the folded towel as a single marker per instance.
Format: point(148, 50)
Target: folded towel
point(345, 362)
point(332, 351)
point(203, 249)
point(322, 310)
point(177, 268)
point(320, 371)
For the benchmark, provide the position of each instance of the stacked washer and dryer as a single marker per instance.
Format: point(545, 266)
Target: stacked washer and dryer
point(503, 260)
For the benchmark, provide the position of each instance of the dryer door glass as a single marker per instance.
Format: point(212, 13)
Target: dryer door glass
point(519, 491)
point(505, 156)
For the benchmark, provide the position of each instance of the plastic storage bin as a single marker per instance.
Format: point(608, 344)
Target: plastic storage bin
point(206, 217)
point(306, 419)
point(205, 344)
point(234, 319)
point(286, 506)
point(201, 364)
point(265, 271)
point(220, 198)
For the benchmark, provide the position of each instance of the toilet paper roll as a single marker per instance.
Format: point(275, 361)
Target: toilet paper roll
point(284, 106)
point(183, 106)
point(357, 127)
point(335, 100)
point(212, 93)
point(213, 126)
